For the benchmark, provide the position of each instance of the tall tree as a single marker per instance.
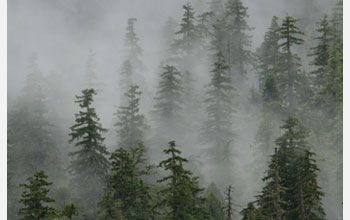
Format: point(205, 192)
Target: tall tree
point(133, 51)
point(131, 125)
point(291, 146)
point(308, 191)
point(268, 53)
point(220, 106)
point(320, 52)
point(250, 213)
point(270, 202)
point(126, 188)
point(35, 199)
point(239, 40)
point(188, 32)
point(169, 94)
point(229, 207)
point(182, 195)
point(89, 163)
point(290, 77)
point(214, 202)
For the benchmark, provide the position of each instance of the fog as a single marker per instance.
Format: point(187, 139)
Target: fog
point(63, 32)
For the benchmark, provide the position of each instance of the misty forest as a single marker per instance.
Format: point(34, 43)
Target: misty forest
point(179, 110)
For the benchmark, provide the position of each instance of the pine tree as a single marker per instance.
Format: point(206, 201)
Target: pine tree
point(182, 195)
point(320, 52)
point(250, 213)
point(69, 211)
point(239, 41)
point(89, 165)
point(188, 32)
point(35, 199)
point(308, 191)
point(214, 202)
point(126, 188)
point(218, 127)
point(132, 49)
point(169, 95)
point(268, 53)
point(289, 74)
point(270, 202)
point(291, 146)
point(131, 125)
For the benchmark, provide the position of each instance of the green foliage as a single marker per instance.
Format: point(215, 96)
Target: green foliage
point(126, 75)
point(132, 49)
point(250, 213)
point(239, 41)
point(289, 76)
point(214, 202)
point(35, 199)
point(169, 94)
point(268, 53)
point(220, 106)
point(89, 162)
point(182, 195)
point(69, 211)
point(127, 194)
point(131, 125)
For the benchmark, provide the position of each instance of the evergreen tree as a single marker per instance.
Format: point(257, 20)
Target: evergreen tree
point(126, 188)
point(268, 53)
point(89, 165)
point(218, 127)
point(35, 199)
point(291, 146)
point(289, 74)
point(239, 41)
point(169, 95)
point(132, 49)
point(270, 202)
point(308, 191)
point(131, 125)
point(182, 195)
point(250, 213)
point(214, 202)
point(69, 211)
point(109, 207)
point(188, 32)
point(320, 52)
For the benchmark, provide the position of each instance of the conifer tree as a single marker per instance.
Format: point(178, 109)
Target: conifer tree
point(188, 32)
point(126, 189)
point(169, 95)
point(308, 191)
point(289, 76)
point(291, 146)
point(218, 127)
point(320, 52)
point(268, 53)
point(69, 211)
point(89, 164)
point(132, 49)
point(250, 213)
point(182, 195)
point(270, 202)
point(131, 125)
point(214, 202)
point(239, 41)
point(35, 199)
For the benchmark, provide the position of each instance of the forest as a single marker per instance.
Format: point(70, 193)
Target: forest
point(212, 113)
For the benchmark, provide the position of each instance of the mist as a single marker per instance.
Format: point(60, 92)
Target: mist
point(63, 34)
